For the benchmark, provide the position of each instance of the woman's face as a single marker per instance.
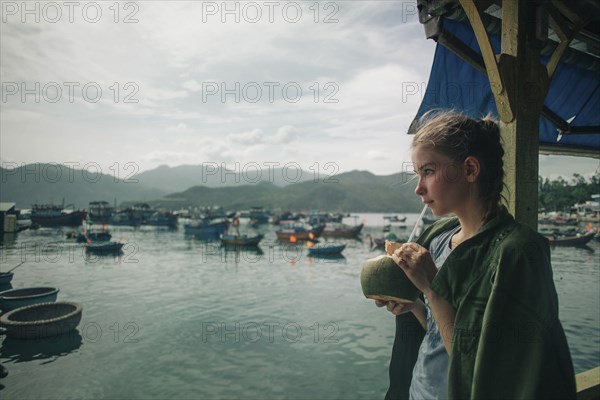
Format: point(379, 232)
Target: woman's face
point(442, 183)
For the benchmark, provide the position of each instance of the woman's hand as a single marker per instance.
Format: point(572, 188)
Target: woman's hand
point(417, 308)
point(416, 262)
point(396, 308)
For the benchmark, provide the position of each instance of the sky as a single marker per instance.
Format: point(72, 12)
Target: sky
point(327, 87)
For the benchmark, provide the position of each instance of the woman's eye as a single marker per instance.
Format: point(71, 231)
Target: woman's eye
point(427, 172)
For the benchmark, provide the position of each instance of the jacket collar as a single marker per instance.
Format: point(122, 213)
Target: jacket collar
point(503, 217)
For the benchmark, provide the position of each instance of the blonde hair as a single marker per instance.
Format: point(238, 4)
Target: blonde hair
point(458, 136)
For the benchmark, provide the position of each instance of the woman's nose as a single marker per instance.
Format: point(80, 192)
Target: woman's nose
point(420, 189)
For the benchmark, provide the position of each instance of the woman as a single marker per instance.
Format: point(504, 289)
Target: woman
point(493, 300)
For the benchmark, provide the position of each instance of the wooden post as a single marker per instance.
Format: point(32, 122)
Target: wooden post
point(525, 81)
point(519, 84)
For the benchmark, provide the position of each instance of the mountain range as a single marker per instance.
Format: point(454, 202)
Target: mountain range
point(209, 185)
point(180, 178)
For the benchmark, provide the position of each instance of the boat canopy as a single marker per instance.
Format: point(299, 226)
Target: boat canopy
point(570, 119)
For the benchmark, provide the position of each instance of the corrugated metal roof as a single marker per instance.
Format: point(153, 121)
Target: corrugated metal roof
point(4, 207)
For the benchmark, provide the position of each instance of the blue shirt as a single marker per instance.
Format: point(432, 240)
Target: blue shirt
point(430, 374)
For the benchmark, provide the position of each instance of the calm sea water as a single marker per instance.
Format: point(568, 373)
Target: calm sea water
point(181, 318)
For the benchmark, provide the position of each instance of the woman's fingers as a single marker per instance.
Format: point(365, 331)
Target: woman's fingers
point(380, 303)
point(402, 308)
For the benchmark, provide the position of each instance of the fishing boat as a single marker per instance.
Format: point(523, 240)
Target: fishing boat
point(394, 218)
point(294, 232)
point(124, 218)
point(49, 215)
point(275, 219)
point(581, 240)
point(141, 212)
point(557, 231)
point(589, 211)
point(379, 243)
point(159, 218)
point(257, 214)
point(41, 320)
point(15, 298)
point(206, 227)
point(326, 250)
point(104, 247)
point(93, 236)
point(376, 243)
point(100, 212)
point(317, 218)
point(240, 240)
point(339, 230)
point(215, 212)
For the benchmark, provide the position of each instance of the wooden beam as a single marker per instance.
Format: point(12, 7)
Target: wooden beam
point(569, 151)
point(588, 384)
point(473, 10)
point(565, 34)
point(566, 9)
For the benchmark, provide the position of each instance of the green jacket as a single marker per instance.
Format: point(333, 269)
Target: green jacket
point(508, 342)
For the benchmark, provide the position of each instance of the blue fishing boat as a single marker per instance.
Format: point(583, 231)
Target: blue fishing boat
point(257, 215)
point(326, 250)
point(206, 227)
point(6, 277)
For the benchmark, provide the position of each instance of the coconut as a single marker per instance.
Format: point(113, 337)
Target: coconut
point(381, 279)
point(392, 237)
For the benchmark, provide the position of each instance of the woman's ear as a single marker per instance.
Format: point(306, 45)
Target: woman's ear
point(472, 168)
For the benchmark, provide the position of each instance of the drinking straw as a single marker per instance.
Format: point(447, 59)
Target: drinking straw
point(414, 231)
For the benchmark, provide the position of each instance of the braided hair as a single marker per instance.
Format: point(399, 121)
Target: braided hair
point(458, 137)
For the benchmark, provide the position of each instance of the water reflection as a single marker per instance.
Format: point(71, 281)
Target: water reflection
point(326, 258)
point(237, 254)
point(256, 250)
point(8, 239)
point(50, 348)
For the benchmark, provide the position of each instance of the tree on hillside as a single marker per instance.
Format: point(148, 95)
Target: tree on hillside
point(560, 195)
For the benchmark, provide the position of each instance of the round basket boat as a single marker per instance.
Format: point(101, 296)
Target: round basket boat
point(15, 298)
point(42, 320)
point(6, 277)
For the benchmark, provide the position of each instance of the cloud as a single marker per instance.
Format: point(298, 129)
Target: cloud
point(192, 85)
point(249, 137)
point(377, 155)
point(179, 128)
point(285, 134)
point(372, 59)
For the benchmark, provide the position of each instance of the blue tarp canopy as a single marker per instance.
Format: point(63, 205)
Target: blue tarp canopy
point(573, 95)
